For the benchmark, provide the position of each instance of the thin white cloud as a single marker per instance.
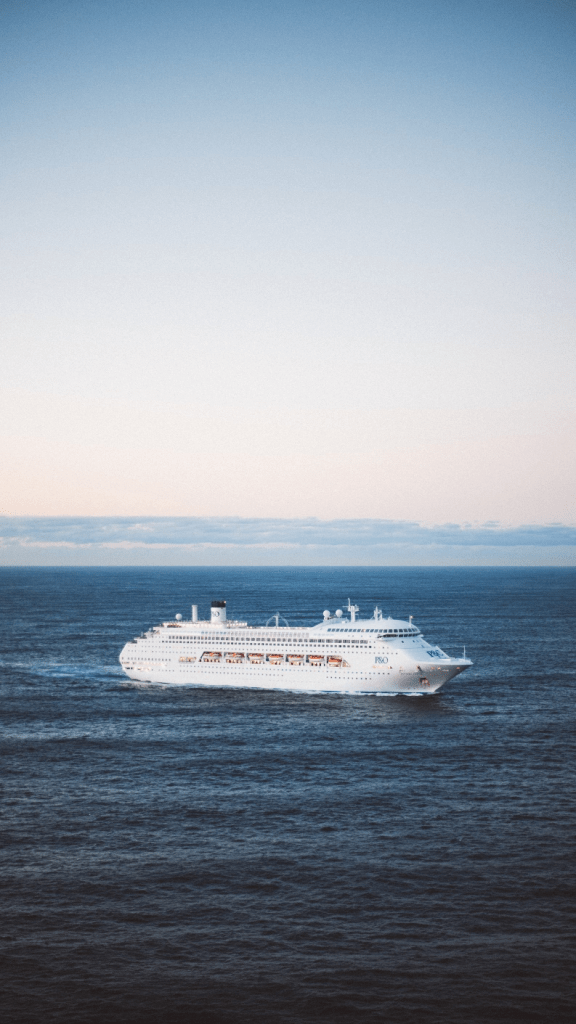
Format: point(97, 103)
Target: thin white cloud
point(269, 534)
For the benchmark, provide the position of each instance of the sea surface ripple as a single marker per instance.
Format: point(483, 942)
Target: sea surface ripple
point(196, 855)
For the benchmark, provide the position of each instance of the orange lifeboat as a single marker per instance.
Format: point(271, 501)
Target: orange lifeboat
point(334, 662)
point(295, 659)
point(256, 659)
point(315, 659)
point(212, 656)
point(275, 659)
point(234, 658)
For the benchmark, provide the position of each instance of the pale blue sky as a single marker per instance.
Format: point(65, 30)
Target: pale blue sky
point(289, 260)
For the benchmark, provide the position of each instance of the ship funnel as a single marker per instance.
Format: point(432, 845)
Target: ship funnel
point(218, 611)
point(194, 613)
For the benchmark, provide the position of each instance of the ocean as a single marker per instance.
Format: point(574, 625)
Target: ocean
point(199, 856)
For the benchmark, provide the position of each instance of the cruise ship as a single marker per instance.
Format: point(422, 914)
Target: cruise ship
point(343, 654)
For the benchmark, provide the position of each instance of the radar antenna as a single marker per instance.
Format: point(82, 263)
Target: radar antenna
point(276, 619)
point(352, 608)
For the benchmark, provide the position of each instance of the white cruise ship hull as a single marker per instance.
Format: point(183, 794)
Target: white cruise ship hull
point(300, 678)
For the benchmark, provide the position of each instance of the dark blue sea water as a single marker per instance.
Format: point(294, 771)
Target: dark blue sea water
point(227, 856)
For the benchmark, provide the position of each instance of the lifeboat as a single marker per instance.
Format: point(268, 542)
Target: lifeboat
point(295, 659)
point(275, 659)
point(315, 659)
point(334, 662)
point(256, 659)
point(234, 658)
point(212, 656)
point(186, 659)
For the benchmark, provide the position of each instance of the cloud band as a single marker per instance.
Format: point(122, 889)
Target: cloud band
point(30, 540)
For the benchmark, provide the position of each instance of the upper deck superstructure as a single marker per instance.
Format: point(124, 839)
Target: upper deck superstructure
point(340, 653)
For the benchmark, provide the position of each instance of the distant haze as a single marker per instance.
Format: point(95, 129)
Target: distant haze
point(183, 541)
point(289, 260)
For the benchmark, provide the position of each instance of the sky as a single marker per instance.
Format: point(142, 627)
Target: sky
point(288, 261)
point(186, 540)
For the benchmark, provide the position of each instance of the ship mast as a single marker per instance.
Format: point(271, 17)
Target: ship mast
point(352, 608)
